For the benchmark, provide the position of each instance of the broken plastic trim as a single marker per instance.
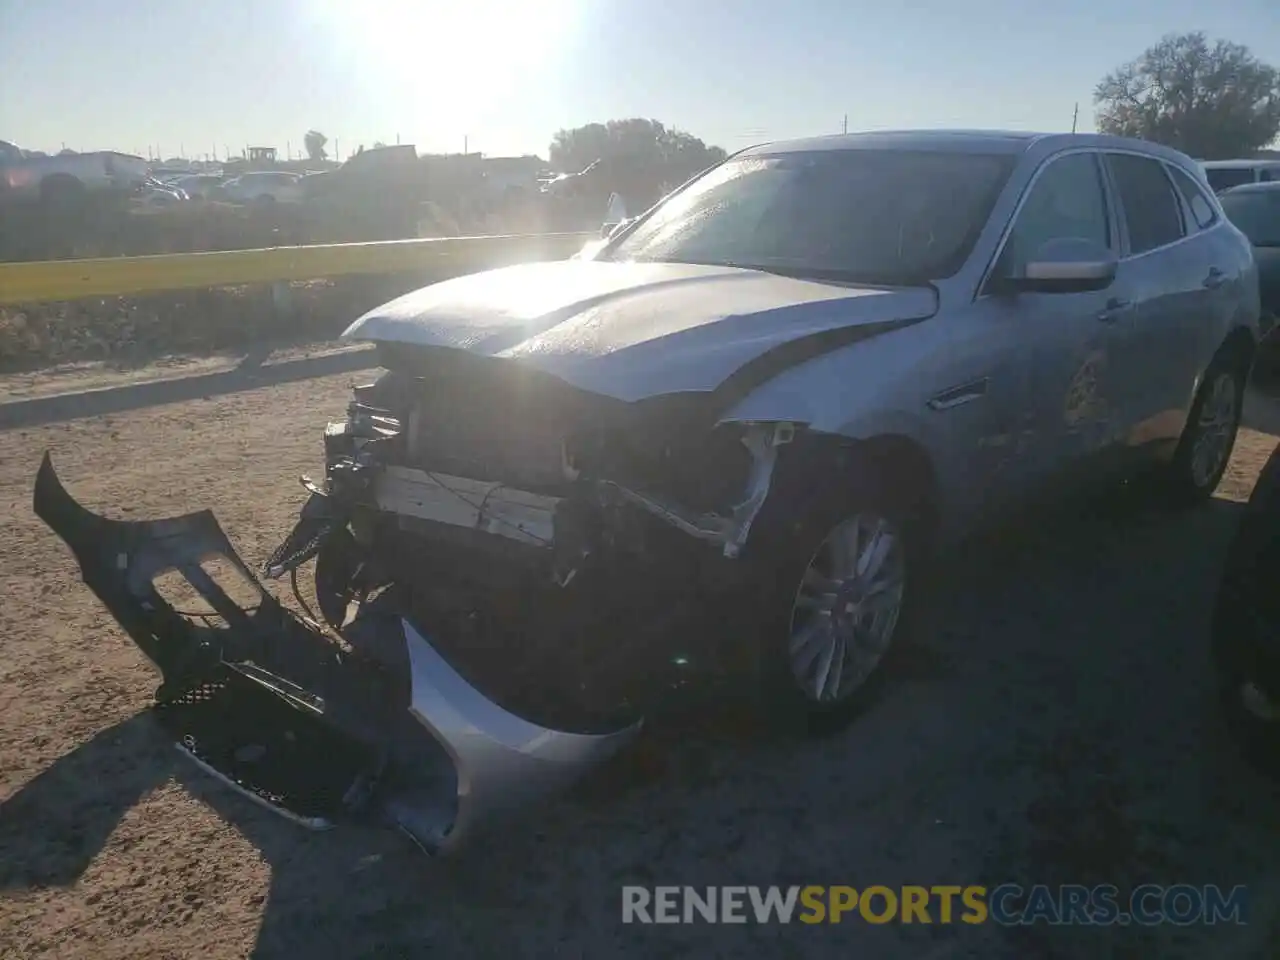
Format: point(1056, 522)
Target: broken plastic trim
point(763, 440)
point(498, 509)
point(501, 763)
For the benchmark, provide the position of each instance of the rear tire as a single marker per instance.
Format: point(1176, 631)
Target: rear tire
point(1204, 450)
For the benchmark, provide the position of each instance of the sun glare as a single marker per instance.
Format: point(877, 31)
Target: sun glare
point(458, 58)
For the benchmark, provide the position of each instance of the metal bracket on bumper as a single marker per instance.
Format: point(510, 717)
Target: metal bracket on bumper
point(410, 706)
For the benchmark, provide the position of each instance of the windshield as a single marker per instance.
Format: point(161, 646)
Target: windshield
point(874, 216)
point(1257, 214)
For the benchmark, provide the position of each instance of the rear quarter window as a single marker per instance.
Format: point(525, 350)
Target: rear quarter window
point(1202, 212)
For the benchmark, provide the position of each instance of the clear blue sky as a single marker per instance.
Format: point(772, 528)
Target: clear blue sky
point(206, 74)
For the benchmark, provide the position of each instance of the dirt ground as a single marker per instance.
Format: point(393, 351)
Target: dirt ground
point(1056, 725)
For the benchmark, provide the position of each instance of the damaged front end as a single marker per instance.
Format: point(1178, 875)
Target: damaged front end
point(572, 555)
point(510, 574)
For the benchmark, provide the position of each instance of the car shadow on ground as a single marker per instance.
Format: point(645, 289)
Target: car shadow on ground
point(1102, 762)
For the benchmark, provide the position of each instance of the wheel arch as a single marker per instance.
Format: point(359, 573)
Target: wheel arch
point(897, 460)
point(1239, 343)
point(907, 466)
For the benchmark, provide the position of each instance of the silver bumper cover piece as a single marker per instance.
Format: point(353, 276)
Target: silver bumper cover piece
point(502, 763)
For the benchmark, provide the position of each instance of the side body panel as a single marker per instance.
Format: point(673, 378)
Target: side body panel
point(1190, 295)
point(1008, 394)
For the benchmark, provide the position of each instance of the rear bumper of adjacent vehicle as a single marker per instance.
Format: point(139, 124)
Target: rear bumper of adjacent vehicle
point(378, 727)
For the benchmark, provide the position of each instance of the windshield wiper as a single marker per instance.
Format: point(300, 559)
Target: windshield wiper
point(836, 275)
point(799, 272)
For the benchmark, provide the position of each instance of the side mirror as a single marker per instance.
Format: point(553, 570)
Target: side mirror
point(1066, 265)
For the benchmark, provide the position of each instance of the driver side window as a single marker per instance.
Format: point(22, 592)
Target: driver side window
point(1066, 201)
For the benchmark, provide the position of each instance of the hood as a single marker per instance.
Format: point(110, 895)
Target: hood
point(634, 330)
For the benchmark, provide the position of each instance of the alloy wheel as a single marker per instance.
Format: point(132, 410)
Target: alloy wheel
point(847, 607)
point(1215, 430)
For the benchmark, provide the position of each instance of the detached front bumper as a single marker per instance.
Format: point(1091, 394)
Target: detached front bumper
point(266, 701)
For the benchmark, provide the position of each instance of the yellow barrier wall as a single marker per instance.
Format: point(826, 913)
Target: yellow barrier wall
point(113, 276)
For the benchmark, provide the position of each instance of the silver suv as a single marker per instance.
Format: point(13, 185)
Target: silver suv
point(905, 330)
point(722, 442)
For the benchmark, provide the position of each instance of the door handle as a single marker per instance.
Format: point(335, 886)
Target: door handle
point(1114, 309)
point(1215, 279)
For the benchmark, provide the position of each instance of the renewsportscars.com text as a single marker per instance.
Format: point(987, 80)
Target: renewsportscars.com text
point(1008, 904)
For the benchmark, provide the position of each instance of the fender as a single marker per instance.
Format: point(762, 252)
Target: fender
point(759, 371)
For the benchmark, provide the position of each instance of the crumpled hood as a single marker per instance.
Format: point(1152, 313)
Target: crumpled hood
point(634, 330)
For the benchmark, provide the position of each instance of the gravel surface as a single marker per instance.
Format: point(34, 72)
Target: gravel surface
point(1055, 725)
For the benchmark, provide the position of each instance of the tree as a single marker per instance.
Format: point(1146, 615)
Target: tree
point(315, 141)
point(1213, 102)
point(639, 157)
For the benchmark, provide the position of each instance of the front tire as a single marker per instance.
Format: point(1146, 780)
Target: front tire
point(837, 573)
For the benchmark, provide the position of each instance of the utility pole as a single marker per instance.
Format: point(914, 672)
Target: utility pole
point(1075, 115)
point(845, 127)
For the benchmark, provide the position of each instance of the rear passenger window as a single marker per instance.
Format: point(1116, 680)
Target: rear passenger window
point(1201, 209)
point(1151, 210)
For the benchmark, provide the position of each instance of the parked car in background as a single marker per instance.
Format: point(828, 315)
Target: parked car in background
point(392, 175)
point(155, 193)
point(724, 443)
point(1255, 209)
point(1225, 174)
point(380, 193)
point(199, 186)
point(263, 186)
point(64, 180)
